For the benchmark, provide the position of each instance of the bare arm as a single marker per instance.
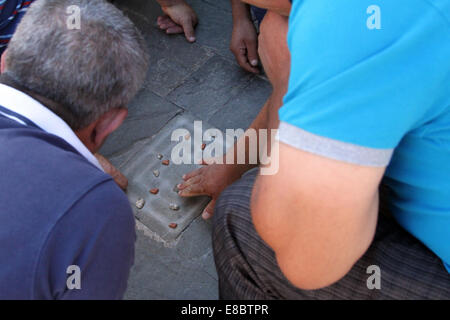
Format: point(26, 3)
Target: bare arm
point(213, 179)
point(282, 7)
point(239, 10)
point(318, 215)
point(244, 40)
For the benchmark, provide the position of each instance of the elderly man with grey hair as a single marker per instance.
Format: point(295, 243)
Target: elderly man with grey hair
point(66, 229)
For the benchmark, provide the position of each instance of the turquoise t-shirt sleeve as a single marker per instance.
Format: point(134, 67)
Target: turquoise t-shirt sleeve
point(354, 90)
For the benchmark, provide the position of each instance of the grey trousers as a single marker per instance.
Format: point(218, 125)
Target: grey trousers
point(248, 269)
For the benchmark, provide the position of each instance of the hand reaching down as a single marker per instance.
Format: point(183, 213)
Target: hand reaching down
point(244, 45)
point(179, 17)
point(118, 177)
point(209, 180)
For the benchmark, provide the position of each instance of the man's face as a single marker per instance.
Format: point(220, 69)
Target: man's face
point(282, 7)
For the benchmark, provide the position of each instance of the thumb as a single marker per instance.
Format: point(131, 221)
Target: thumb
point(188, 27)
point(209, 210)
point(252, 53)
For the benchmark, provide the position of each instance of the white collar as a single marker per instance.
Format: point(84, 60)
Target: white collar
point(31, 109)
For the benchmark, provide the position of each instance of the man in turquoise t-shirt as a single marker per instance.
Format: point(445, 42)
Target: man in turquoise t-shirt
point(360, 206)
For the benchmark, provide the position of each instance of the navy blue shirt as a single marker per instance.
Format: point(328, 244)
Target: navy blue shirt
point(57, 210)
point(11, 12)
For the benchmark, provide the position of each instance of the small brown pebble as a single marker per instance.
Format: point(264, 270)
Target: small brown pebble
point(203, 146)
point(154, 191)
point(165, 162)
point(173, 225)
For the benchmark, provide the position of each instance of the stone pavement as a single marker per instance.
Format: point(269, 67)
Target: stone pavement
point(185, 82)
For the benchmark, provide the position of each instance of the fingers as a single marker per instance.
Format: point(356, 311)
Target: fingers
point(164, 22)
point(174, 30)
point(185, 25)
point(242, 59)
point(189, 182)
point(192, 188)
point(191, 174)
point(209, 210)
point(252, 53)
point(188, 26)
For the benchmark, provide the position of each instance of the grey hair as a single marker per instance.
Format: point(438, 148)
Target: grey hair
point(87, 71)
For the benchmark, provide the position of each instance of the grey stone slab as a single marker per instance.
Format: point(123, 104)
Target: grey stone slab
point(213, 30)
point(215, 26)
point(121, 159)
point(147, 114)
point(162, 272)
point(204, 80)
point(210, 88)
point(172, 58)
point(138, 165)
point(196, 245)
point(171, 64)
point(241, 110)
point(221, 4)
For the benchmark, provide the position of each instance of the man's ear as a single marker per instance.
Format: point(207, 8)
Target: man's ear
point(107, 124)
point(2, 62)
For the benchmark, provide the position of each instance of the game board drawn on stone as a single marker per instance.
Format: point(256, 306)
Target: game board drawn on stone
point(153, 178)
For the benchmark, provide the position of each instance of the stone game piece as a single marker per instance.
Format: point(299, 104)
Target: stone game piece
point(140, 203)
point(145, 171)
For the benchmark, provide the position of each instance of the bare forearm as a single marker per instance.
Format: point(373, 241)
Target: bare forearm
point(267, 119)
point(167, 3)
point(279, 6)
point(240, 10)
